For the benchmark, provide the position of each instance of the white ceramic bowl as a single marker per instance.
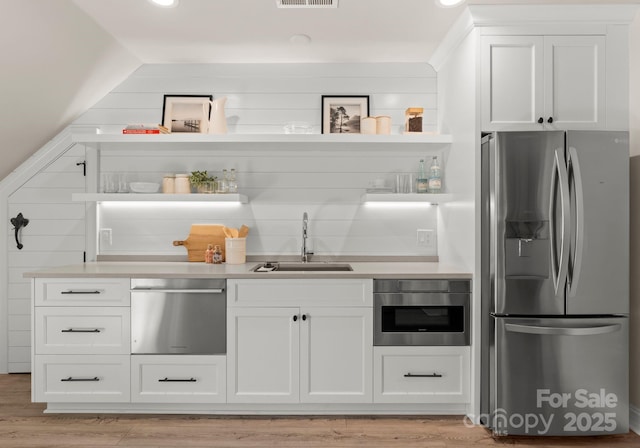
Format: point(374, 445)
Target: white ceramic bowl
point(297, 127)
point(144, 187)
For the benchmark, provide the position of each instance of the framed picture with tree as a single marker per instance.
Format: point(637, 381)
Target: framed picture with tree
point(341, 114)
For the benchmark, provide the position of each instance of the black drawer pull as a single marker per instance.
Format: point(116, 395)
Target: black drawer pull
point(421, 375)
point(79, 330)
point(95, 378)
point(178, 380)
point(71, 291)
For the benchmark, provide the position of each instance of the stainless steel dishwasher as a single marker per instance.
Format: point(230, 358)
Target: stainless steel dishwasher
point(178, 316)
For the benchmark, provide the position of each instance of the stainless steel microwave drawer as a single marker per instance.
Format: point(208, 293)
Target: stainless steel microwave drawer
point(421, 285)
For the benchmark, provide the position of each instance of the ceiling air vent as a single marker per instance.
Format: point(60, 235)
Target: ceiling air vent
point(307, 3)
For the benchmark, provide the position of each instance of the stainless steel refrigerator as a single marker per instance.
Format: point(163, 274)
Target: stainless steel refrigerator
point(555, 282)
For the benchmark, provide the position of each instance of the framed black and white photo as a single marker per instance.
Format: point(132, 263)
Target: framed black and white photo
point(341, 114)
point(187, 113)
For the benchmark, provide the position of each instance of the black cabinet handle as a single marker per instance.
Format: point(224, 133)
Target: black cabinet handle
point(304, 317)
point(177, 380)
point(295, 318)
point(74, 330)
point(422, 375)
point(19, 222)
point(550, 120)
point(70, 291)
point(95, 378)
point(540, 120)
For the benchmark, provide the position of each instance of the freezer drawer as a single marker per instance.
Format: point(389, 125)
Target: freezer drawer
point(560, 376)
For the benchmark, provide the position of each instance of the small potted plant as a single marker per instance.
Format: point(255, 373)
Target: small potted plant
point(202, 182)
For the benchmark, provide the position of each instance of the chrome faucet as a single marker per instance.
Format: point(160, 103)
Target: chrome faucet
point(305, 223)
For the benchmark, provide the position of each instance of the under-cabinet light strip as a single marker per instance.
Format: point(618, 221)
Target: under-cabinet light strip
point(381, 204)
point(163, 205)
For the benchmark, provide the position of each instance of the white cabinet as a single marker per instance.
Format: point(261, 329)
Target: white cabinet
point(81, 378)
point(263, 355)
point(178, 379)
point(316, 352)
point(336, 355)
point(82, 340)
point(83, 330)
point(543, 82)
point(82, 292)
point(422, 375)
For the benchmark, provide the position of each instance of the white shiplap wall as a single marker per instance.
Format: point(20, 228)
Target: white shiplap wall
point(262, 97)
point(281, 180)
point(54, 236)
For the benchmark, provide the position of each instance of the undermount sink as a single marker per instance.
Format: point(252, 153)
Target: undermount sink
point(302, 267)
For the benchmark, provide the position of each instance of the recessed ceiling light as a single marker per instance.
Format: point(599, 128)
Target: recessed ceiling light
point(165, 3)
point(448, 3)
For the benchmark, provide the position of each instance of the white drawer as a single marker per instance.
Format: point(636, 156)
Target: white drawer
point(178, 379)
point(421, 374)
point(82, 292)
point(82, 378)
point(298, 292)
point(83, 330)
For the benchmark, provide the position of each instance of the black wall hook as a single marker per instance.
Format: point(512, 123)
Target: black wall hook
point(19, 222)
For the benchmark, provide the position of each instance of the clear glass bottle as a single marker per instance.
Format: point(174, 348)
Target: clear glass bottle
point(223, 184)
point(435, 176)
point(232, 184)
point(422, 183)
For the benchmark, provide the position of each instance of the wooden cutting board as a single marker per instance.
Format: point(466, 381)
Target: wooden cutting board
point(200, 236)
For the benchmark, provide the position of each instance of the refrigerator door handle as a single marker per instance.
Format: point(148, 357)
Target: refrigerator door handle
point(559, 263)
point(576, 262)
point(563, 331)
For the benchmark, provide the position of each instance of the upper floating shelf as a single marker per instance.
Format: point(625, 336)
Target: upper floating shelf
point(439, 198)
point(261, 138)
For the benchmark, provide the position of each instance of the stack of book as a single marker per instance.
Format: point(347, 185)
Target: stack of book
point(146, 129)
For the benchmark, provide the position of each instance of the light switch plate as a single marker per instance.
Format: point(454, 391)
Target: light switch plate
point(426, 237)
point(106, 238)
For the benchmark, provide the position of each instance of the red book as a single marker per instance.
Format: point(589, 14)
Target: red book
point(141, 131)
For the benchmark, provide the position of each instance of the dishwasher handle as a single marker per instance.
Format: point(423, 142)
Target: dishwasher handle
point(181, 291)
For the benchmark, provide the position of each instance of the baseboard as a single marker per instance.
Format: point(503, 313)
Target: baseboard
point(634, 419)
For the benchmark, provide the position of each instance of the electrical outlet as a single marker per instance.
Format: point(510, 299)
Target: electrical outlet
point(426, 237)
point(106, 237)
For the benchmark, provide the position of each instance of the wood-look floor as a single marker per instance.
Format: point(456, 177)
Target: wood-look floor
point(22, 424)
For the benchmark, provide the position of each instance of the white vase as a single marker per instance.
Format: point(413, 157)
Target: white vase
point(218, 120)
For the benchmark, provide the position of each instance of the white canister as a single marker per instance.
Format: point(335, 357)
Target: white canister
point(169, 183)
point(182, 184)
point(383, 124)
point(368, 125)
point(235, 250)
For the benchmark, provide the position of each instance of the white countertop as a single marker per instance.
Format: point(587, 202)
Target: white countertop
point(147, 269)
